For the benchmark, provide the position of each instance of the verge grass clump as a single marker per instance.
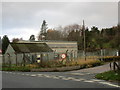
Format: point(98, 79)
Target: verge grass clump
point(50, 64)
point(88, 63)
point(109, 75)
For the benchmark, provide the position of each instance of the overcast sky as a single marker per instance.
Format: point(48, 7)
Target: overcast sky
point(21, 19)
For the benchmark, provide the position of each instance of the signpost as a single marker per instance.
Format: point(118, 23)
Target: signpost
point(63, 56)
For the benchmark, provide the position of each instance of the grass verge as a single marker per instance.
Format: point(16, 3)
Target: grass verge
point(109, 75)
point(55, 65)
point(22, 69)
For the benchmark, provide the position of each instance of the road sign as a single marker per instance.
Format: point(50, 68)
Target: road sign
point(38, 58)
point(63, 56)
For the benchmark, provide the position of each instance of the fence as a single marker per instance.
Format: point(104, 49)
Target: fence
point(22, 59)
point(97, 54)
point(30, 58)
point(115, 65)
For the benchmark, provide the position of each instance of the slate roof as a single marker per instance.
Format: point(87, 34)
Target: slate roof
point(30, 47)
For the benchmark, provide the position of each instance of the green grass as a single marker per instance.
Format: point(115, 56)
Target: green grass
point(110, 75)
point(23, 69)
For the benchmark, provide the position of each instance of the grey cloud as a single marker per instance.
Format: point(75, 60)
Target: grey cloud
point(31, 14)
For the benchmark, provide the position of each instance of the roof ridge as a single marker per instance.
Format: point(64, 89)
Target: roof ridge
point(27, 43)
point(31, 47)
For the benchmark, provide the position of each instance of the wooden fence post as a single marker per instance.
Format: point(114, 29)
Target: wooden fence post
point(117, 66)
point(110, 66)
point(114, 65)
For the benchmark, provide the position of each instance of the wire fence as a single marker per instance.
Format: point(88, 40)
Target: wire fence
point(23, 59)
point(98, 53)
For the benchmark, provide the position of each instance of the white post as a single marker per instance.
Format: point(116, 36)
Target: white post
point(101, 53)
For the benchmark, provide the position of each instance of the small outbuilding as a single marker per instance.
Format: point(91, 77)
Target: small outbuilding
point(17, 53)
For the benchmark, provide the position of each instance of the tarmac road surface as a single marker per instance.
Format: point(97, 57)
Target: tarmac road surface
point(83, 78)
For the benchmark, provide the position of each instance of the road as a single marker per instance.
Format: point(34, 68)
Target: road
point(72, 79)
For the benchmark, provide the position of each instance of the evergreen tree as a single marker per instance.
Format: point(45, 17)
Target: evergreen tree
point(43, 32)
point(5, 43)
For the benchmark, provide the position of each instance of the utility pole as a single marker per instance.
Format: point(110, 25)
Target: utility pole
point(84, 40)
